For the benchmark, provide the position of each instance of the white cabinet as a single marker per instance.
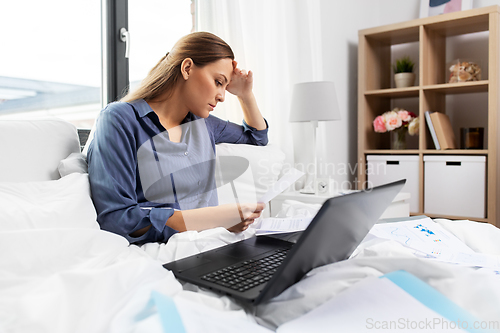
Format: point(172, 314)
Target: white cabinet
point(455, 185)
point(383, 169)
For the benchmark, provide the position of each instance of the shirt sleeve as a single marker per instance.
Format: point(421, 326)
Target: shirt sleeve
point(112, 163)
point(227, 132)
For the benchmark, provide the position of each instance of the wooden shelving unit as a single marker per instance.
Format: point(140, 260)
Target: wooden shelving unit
point(375, 91)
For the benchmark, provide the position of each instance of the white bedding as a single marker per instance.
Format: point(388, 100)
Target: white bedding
point(60, 273)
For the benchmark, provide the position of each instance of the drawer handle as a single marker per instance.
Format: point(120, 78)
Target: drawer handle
point(392, 162)
point(454, 163)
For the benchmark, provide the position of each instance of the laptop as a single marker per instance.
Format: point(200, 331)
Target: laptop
point(259, 268)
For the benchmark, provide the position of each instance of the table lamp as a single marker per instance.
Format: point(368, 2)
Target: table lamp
point(313, 102)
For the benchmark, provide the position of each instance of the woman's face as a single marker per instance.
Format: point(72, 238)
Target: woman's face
point(206, 86)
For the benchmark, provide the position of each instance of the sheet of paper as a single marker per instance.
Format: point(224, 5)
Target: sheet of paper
point(279, 225)
point(396, 302)
point(434, 241)
point(421, 234)
point(281, 185)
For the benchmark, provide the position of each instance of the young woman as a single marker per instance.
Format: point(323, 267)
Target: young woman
point(152, 159)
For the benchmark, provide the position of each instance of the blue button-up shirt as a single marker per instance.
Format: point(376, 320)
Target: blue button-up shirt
point(138, 177)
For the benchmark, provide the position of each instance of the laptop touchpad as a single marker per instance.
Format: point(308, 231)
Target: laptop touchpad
point(241, 251)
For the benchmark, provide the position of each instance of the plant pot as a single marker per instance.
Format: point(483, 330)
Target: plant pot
point(403, 80)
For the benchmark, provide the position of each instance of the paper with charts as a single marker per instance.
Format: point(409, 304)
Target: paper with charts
point(433, 241)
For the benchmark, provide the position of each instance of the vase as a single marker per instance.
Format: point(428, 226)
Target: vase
point(398, 138)
point(403, 80)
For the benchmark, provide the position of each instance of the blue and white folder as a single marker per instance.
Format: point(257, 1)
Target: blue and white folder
point(395, 302)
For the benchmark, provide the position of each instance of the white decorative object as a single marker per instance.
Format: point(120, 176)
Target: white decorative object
point(434, 7)
point(313, 102)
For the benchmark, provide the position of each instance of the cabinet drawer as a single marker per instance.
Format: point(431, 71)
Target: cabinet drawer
point(383, 169)
point(455, 185)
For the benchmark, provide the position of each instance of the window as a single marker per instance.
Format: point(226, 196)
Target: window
point(50, 64)
point(50, 60)
point(154, 27)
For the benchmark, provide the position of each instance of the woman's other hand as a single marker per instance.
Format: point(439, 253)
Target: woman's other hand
point(233, 217)
point(248, 214)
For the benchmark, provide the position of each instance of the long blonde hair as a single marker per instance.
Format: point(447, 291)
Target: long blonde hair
point(202, 47)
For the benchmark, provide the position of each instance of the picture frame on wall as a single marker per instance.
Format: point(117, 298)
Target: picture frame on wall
point(437, 7)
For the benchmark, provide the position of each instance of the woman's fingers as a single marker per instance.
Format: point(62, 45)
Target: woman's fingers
point(251, 210)
point(242, 226)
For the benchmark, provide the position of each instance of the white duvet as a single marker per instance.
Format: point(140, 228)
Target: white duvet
point(60, 273)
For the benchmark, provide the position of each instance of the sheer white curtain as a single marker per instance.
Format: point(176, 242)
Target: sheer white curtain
point(280, 41)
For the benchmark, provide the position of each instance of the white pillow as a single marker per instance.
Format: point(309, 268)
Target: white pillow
point(264, 164)
point(32, 149)
point(76, 162)
point(62, 203)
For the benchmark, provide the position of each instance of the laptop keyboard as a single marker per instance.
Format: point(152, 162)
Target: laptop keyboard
point(247, 274)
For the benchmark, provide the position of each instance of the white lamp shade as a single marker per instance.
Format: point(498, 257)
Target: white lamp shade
point(314, 101)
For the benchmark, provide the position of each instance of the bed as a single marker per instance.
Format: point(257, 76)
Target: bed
point(60, 273)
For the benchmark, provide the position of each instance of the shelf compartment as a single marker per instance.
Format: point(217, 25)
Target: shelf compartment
point(464, 106)
point(461, 26)
point(376, 105)
point(440, 50)
point(382, 50)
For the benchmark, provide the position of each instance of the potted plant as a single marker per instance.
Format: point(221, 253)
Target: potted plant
point(403, 72)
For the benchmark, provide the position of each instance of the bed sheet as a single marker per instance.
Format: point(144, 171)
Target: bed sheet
point(476, 290)
point(67, 275)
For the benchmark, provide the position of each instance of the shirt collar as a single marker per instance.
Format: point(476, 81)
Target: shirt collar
point(141, 107)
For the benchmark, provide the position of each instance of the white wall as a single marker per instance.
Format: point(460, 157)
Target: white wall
point(340, 22)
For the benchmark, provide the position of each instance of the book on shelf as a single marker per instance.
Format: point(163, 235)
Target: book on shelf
point(431, 129)
point(444, 132)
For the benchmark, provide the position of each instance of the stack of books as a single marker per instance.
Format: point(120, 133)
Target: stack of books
point(441, 131)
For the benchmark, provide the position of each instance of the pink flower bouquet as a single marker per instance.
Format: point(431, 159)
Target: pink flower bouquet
point(395, 119)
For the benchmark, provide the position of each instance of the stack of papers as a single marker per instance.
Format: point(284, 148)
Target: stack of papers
point(432, 241)
point(275, 225)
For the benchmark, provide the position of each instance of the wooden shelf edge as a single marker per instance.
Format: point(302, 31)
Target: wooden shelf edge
point(451, 88)
point(459, 87)
point(409, 91)
point(392, 151)
point(456, 152)
point(380, 30)
point(427, 151)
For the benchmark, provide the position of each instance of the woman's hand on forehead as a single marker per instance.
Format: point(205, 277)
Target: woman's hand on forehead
point(241, 81)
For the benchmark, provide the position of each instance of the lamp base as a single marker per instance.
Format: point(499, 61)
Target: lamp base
point(308, 189)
